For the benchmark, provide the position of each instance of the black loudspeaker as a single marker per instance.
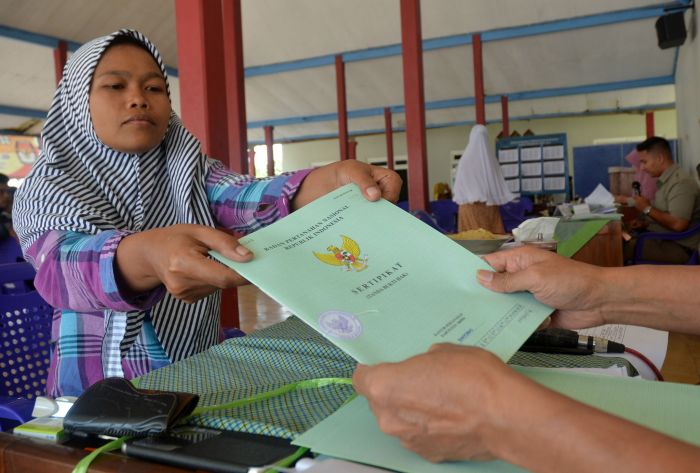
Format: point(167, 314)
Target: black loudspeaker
point(670, 30)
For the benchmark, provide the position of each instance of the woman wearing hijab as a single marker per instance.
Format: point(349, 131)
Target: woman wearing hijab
point(479, 185)
point(118, 216)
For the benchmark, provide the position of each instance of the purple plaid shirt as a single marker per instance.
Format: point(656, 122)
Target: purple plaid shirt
point(76, 275)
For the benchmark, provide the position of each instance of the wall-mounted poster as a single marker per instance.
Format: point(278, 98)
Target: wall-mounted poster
point(18, 153)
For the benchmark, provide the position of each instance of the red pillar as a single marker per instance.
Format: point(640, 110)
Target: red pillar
point(269, 142)
point(202, 86)
point(389, 139)
point(201, 72)
point(342, 107)
point(60, 55)
point(650, 124)
point(478, 80)
point(251, 162)
point(352, 149)
point(235, 85)
point(504, 116)
point(414, 102)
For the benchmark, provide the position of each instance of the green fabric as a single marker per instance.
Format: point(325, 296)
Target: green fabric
point(286, 353)
point(264, 361)
point(573, 234)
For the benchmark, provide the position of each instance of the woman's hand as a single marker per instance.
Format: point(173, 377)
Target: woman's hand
point(374, 181)
point(178, 257)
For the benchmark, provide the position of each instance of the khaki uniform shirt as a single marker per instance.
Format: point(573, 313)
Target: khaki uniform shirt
point(678, 194)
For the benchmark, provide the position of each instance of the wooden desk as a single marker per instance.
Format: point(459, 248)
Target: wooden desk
point(25, 455)
point(605, 248)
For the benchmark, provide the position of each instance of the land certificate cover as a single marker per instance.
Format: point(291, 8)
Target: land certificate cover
point(381, 284)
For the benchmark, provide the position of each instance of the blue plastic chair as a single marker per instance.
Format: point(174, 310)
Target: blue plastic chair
point(425, 217)
point(445, 213)
point(10, 251)
point(643, 237)
point(403, 204)
point(515, 212)
point(25, 334)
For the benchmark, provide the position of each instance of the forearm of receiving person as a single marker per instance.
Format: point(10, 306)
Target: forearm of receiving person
point(547, 432)
point(661, 297)
point(76, 271)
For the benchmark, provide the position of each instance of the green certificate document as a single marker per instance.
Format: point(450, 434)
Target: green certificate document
point(381, 284)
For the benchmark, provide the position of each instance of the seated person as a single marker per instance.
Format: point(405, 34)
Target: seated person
point(675, 207)
point(458, 402)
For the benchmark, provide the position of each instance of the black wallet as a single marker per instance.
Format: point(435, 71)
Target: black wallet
point(113, 406)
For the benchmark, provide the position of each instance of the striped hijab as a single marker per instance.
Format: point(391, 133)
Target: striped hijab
point(81, 185)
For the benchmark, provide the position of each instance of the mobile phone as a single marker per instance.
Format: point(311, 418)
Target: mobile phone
point(219, 451)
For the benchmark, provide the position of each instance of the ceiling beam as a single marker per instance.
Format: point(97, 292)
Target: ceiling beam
point(434, 105)
point(603, 111)
point(469, 101)
point(499, 34)
point(23, 111)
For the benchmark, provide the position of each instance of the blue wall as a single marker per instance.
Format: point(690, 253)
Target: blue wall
point(591, 164)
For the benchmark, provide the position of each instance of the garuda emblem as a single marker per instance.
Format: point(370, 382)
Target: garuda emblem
point(348, 255)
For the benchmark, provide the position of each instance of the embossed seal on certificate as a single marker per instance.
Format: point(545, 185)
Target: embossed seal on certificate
point(339, 324)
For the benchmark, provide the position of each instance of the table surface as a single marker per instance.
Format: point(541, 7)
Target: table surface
point(605, 248)
point(20, 454)
point(26, 455)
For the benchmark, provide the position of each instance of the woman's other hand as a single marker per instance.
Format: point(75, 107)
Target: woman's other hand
point(178, 258)
point(374, 181)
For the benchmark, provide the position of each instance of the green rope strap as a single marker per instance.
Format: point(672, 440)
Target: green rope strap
point(84, 464)
point(306, 384)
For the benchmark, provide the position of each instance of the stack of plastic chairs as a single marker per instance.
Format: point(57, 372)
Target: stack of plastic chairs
point(445, 213)
point(25, 334)
point(643, 237)
point(10, 251)
point(515, 212)
point(428, 219)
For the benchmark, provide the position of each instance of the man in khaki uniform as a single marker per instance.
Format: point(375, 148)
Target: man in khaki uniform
point(675, 208)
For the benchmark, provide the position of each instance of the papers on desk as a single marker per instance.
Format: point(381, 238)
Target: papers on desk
point(673, 409)
point(600, 204)
point(587, 212)
point(600, 197)
point(381, 284)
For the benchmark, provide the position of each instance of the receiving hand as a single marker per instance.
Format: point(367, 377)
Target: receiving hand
point(374, 181)
point(178, 257)
point(574, 288)
point(442, 404)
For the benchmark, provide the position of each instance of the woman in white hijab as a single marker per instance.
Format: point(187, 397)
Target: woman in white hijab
point(479, 185)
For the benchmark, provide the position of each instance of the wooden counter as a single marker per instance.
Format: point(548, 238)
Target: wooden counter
point(26, 455)
point(605, 248)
